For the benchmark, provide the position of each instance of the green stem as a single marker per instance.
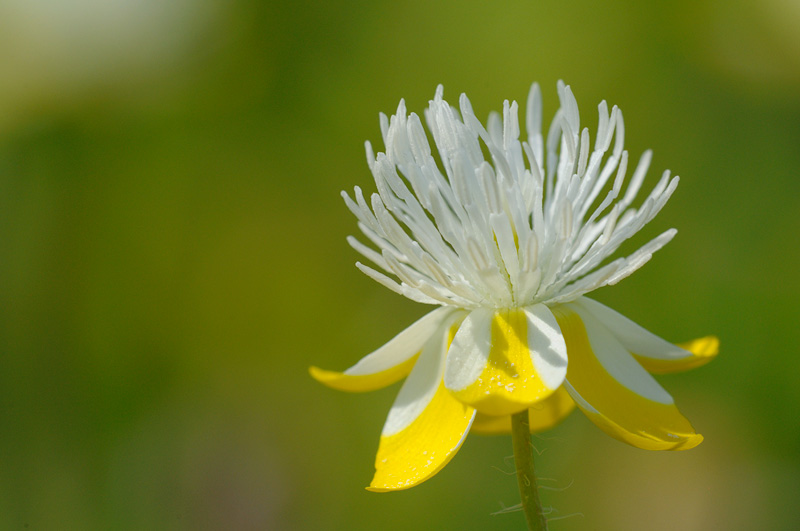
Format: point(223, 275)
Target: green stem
point(523, 458)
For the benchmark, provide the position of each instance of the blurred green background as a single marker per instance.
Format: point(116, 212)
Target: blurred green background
point(172, 257)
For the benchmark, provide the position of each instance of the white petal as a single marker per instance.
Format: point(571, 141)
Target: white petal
point(547, 345)
point(426, 425)
point(614, 391)
point(424, 380)
point(390, 363)
point(654, 354)
point(403, 346)
point(469, 351)
point(633, 337)
point(617, 361)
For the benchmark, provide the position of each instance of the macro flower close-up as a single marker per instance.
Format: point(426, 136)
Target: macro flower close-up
point(186, 344)
point(505, 234)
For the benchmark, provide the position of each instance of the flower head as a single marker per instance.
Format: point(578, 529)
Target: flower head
point(506, 236)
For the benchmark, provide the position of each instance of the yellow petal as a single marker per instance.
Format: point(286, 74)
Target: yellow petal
point(701, 351)
point(654, 354)
point(614, 391)
point(424, 447)
point(504, 361)
point(357, 383)
point(543, 415)
point(390, 363)
point(426, 425)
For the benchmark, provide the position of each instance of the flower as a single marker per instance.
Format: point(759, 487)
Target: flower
point(507, 246)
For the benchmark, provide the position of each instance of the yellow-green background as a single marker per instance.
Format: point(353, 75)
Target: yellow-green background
point(172, 257)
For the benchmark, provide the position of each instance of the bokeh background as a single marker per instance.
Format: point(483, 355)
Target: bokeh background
point(172, 257)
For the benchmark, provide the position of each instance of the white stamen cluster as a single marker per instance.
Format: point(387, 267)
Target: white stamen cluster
point(511, 232)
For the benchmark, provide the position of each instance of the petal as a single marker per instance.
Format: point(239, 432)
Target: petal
point(504, 361)
point(614, 391)
point(426, 425)
point(653, 353)
point(390, 363)
point(543, 415)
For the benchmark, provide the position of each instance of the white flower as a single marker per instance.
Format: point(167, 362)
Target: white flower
point(507, 235)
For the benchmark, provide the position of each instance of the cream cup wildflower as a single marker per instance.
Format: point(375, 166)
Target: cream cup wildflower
point(507, 236)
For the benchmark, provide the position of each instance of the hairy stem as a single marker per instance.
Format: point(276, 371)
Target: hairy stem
point(523, 458)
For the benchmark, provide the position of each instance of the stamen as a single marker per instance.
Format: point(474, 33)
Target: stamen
point(512, 230)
